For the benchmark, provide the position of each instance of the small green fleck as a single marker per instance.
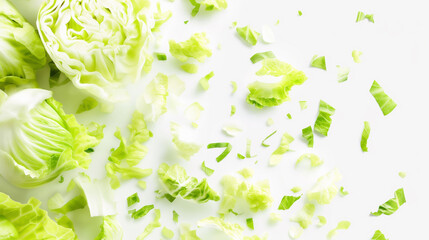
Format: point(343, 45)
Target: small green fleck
point(233, 110)
point(189, 68)
point(204, 82)
point(61, 179)
point(296, 189)
point(167, 233)
point(299, 13)
point(402, 174)
point(161, 56)
point(318, 62)
point(289, 116)
point(249, 222)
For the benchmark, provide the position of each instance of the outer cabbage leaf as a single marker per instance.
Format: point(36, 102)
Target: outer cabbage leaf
point(178, 183)
point(29, 221)
point(21, 51)
point(325, 189)
point(196, 47)
point(38, 141)
point(98, 45)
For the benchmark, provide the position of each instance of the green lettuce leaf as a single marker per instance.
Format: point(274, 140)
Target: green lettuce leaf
point(248, 35)
point(325, 189)
point(343, 225)
point(185, 149)
point(314, 159)
point(227, 146)
point(307, 134)
point(177, 183)
point(110, 229)
point(304, 216)
point(196, 47)
point(261, 56)
point(151, 226)
point(38, 141)
point(287, 202)
point(378, 235)
point(384, 101)
point(392, 205)
point(365, 135)
point(167, 233)
point(318, 62)
point(277, 155)
point(323, 121)
point(362, 16)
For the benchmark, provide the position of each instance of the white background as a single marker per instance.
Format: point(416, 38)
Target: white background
point(395, 51)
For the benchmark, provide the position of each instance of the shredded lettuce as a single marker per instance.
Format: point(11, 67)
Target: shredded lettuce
point(295, 232)
point(167, 233)
point(378, 235)
point(402, 174)
point(323, 121)
point(362, 16)
point(314, 159)
point(322, 221)
point(343, 225)
point(87, 104)
point(175, 217)
point(303, 105)
point(287, 202)
point(110, 229)
point(208, 171)
point(231, 130)
point(261, 56)
point(187, 234)
point(143, 211)
point(246, 172)
point(227, 146)
point(97, 48)
point(208, 5)
point(304, 216)
point(249, 35)
point(343, 192)
point(234, 86)
point(318, 62)
point(384, 101)
point(343, 73)
point(133, 199)
point(277, 155)
point(196, 47)
point(193, 112)
point(151, 226)
point(272, 94)
point(325, 188)
point(266, 138)
point(356, 56)
point(249, 223)
point(185, 149)
point(365, 135)
point(189, 67)
point(161, 56)
point(392, 205)
point(28, 222)
point(204, 81)
point(160, 18)
point(307, 134)
point(296, 189)
point(177, 183)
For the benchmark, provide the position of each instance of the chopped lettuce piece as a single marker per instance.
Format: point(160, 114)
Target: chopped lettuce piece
point(234, 86)
point(299, 13)
point(175, 217)
point(227, 146)
point(273, 94)
point(315, 160)
point(322, 221)
point(392, 204)
point(307, 134)
point(187, 234)
point(110, 229)
point(142, 184)
point(343, 225)
point(56, 204)
point(362, 16)
point(318, 62)
point(22, 52)
point(323, 121)
point(248, 35)
point(133, 199)
point(61, 179)
point(384, 101)
point(232, 230)
point(275, 217)
point(365, 135)
point(151, 226)
point(189, 67)
point(208, 171)
point(153, 101)
point(270, 122)
point(378, 235)
point(27, 221)
point(266, 138)
point(402, 174)
point(193, 112)
point(161, 56)
point(261, 56)
point(160, 18)
point(267, 34)
point(277, 155)
point(204, 81)
point(305, 215)
point(296, 189)
point(289, 116)
point(196, 47)
point(65, 222)
point(258, 195)
point(95, 130)
point(325, 189)
point(97, 48)
point(185, 149)
point(343, 192)
point(209, 5)
point(343, 73)
point(233, 110)
point(38, 141)
point(287, 202)
point(246, 172)
point(87, 104)
point(138, 128)
point(136, 214)
point(177, 183)
point(249, 223)
point(356, 56)
point(295, 232)
point(231, 130)
point(167, 233)
point(303, 105)
point(248, 146)
point(240, 156)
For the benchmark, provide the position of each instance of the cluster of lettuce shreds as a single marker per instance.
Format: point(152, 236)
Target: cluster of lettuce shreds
point(99, 46)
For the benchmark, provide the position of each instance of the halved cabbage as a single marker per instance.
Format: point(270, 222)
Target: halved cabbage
point(38, 141)
point(98, 44)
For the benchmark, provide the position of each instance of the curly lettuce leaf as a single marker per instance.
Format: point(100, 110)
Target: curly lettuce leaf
point(392, 205)
point(383, 100)
point(196, 47)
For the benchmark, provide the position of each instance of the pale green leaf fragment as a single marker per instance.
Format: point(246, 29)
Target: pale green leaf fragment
point(270, 122)
point(248, 146)
point(167, 233)
point(87, 104)
point(261, 56)
point(362, 16)
point(323, 121)
point(266, 138)
point(305, 215)
point(160, 18)
point(343, 73)
point(356, 56)
point(233, 230)
point(303, 105)
point(325, 188)
point(296, 189)
point(57, 204)
point(402, 174)
point(318, 62)
point(234, 86)
point(392, 204)
point(204, 81)
point(175, 217)
point(196, 47)
point(378, 235)
point(249, 223)
point(343, 192)
point(153, 101)
point(248, 35)
point(209, 5)
point(246, 172)
point(187, 234)
point(231, 130)
point(287, 202)
point(315, 160)
point(384, 101)
point(189, 68)
point(110, 229)
point(193, 112)
point(295, 232)
point(364, 138)
point(233, 110)
point(275, 217)
point(151, 226)
point(343, 225)
point(277, 155)
point(142, 184)
point(208, 171)
point(322, 221)
point(307, 134)
point(185, 149)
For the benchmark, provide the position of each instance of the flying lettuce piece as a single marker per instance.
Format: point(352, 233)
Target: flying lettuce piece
point(87, 104)
point(99, 47)
point(402, 174)
point(208, 5)
point(133, 199)
point(58, 205)
point(136, 214)
point(266, 138)
point(193, 112)
point(227, 146)
point(343, 192)
point(365, 136)
point(304, 216)
point(185, 149)
point(307, 134)
point(257, 196)
point(318, 62)
point(261, 56)
point(167, 233)
point(110, 229)
point(314, 159)
point(246, 172)
point(343, 225)
point(151, 226)
point(196, 47)
point(322, 221)
point(249, 223)
point(234, 86)
point(273, 94)
point(249, 35)
point(378, 235)
point(295, 232)
point(323, 121)
point(343, 73)
point(325, 189)
point(153, 102)
point(177, 183)
point(356, 56)
point(160, 18)
point(384, 101)
point(231, 130)
point(232, 230)
point(303, 105)
point(204, 81)
point(287, 202)
point(28, 222)
point(267, 34)
point(22, 52)
point(208, 171)
point(189, 67)
point(277, 155)
point(187, 234)
point(38, 141)
point(362, 16)
point(393, 204)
